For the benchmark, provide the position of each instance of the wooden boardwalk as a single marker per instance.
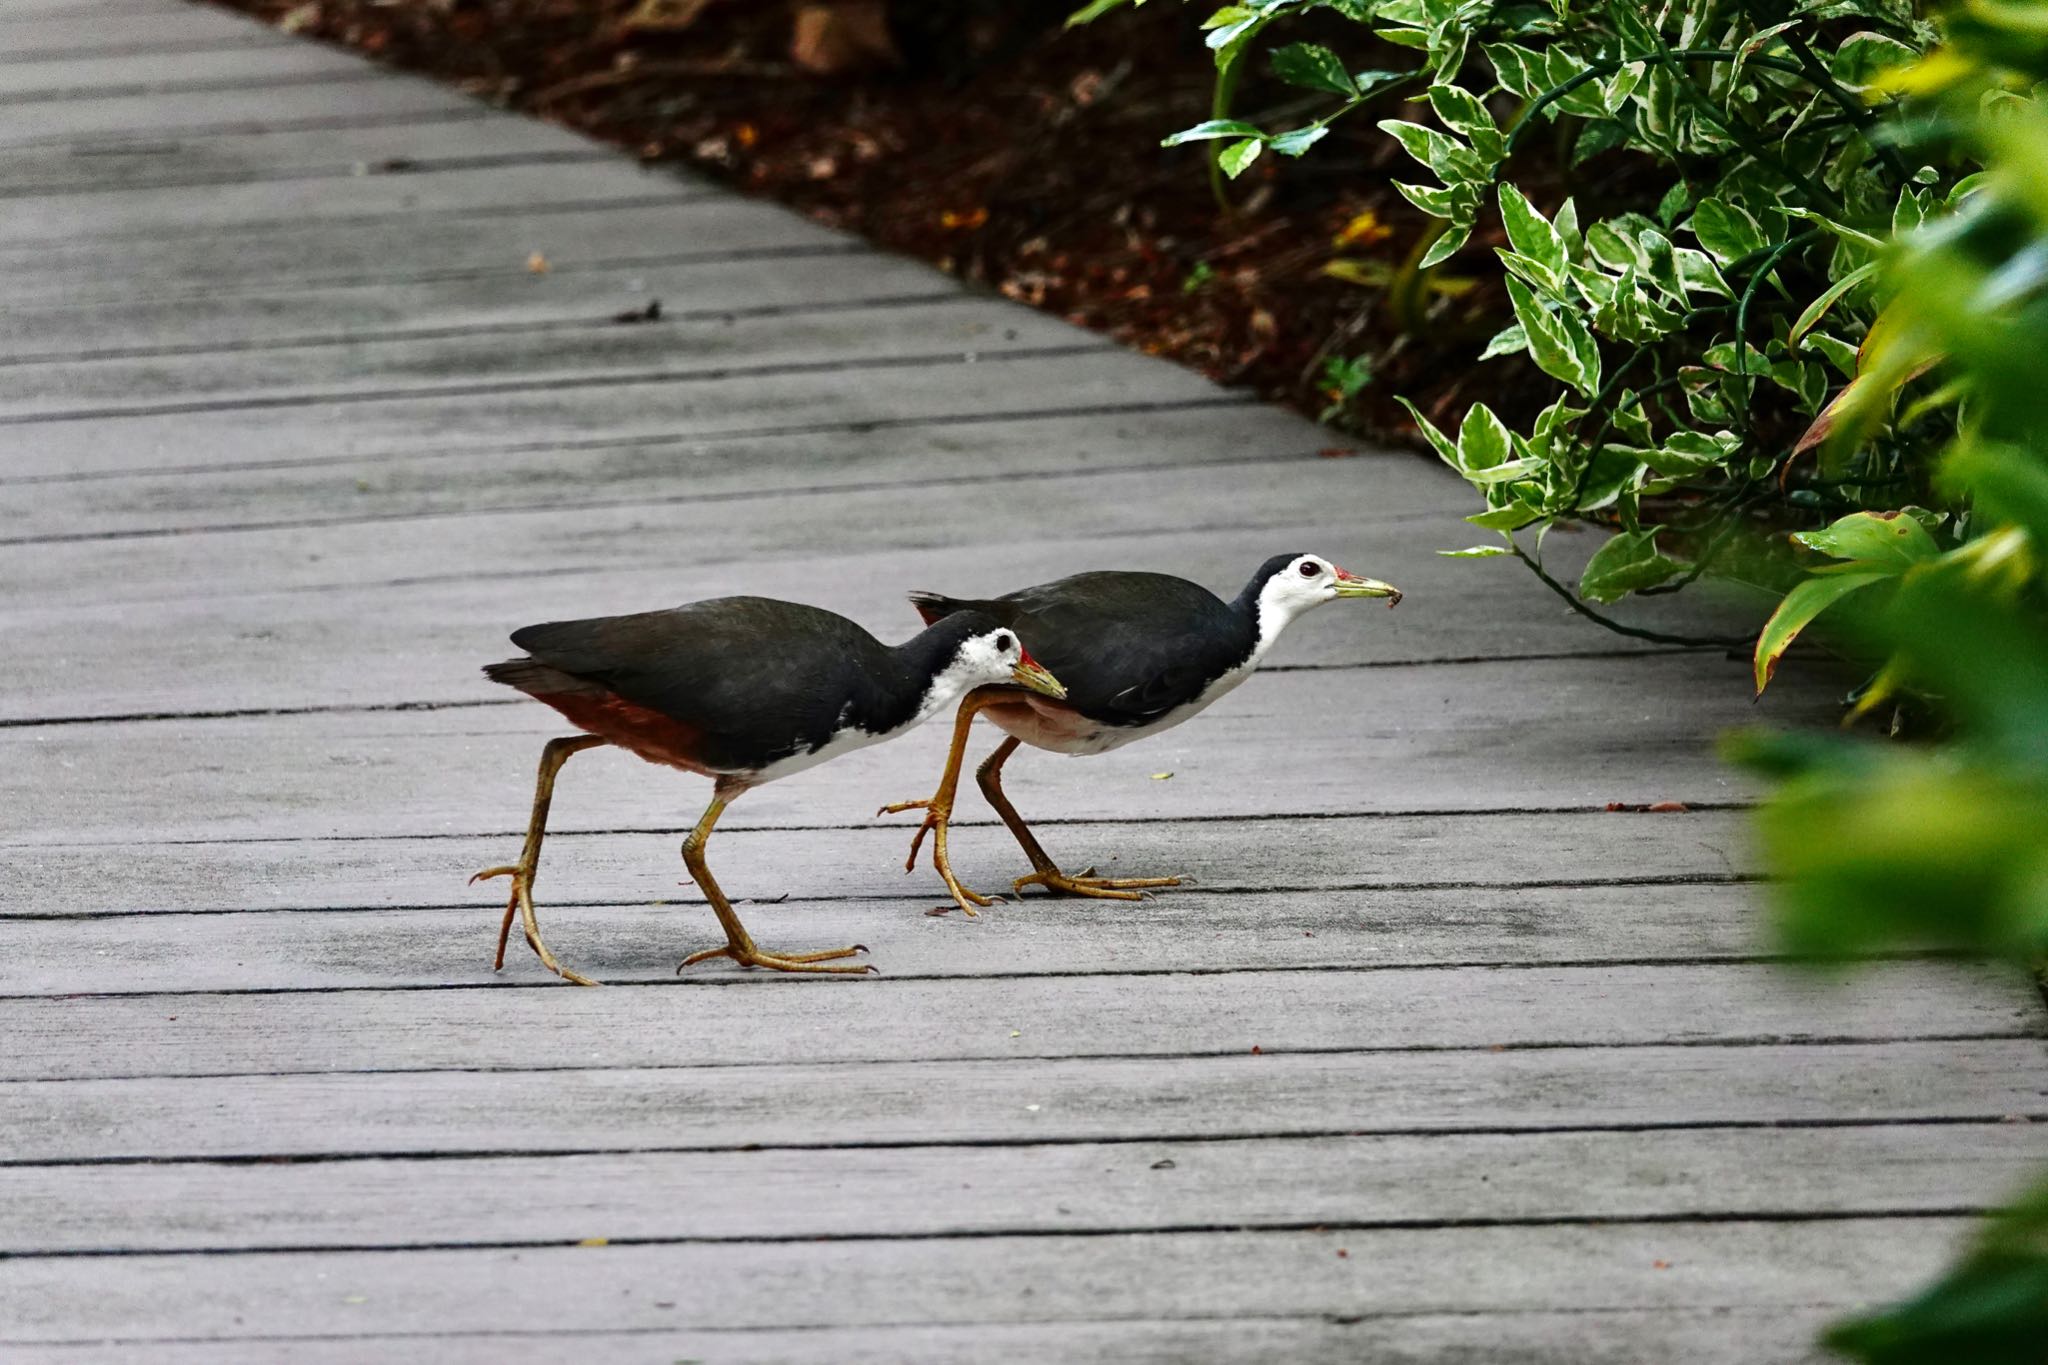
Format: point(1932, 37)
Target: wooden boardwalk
point(1440, 1061)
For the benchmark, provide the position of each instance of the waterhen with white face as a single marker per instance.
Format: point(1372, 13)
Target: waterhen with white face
point(1138, 653)
point(743, 690)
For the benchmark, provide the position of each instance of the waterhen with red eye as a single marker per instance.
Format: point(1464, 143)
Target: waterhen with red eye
point(743, 690)
point(1138, 653)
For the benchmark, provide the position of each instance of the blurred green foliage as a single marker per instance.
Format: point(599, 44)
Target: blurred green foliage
point(1875, 845)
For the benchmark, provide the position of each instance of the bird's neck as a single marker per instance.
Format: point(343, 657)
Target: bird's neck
point(931, 677)
point(1266, 613)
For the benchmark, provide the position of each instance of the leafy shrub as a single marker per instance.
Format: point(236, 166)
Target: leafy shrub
point(1708, 301)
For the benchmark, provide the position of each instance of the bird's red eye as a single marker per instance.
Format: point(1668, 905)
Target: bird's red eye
point(1309, 568)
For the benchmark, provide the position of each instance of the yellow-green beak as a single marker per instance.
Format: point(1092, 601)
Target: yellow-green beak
point(1351, 585)
point(1031, 674)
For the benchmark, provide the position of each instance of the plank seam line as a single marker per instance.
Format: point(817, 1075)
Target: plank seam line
point(109, 141)
point(1328, 969)
point(1691, 1309)
point(974, 822)
point(73, 302)
point(1675, 879)
point(604, 323)
point(485, 703)
point(677, 500)
point(559, 384)
point(2034, 1034)
point(86, 93)
point(884, 980)
point(1684, 1218)
point(656, 440)
point(156, 236)
point(390, 168)
point(428, 1155)
point(161, 47)
point(298, 285)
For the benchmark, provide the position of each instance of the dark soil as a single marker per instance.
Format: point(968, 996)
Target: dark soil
point(1011, 153)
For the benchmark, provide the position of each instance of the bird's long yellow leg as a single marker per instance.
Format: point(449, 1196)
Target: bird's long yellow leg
point(1045, 872)
point(522, 873)
point(938, 808)
point(739, 945)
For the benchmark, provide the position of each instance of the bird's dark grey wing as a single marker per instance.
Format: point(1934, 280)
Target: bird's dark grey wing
point(751, 674)
point(1128, 647)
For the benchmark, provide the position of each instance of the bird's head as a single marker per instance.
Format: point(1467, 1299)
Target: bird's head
point(1288, 585)
point(988, 654)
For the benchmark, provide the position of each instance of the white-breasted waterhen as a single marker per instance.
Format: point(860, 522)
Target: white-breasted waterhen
point(743, 690)
point(1138, 653)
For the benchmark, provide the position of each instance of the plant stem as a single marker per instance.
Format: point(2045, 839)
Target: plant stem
point(1632, 632)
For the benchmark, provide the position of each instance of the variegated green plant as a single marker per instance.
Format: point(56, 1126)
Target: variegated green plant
point(1710, 330)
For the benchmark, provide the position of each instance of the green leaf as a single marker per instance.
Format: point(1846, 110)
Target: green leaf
point(1449, 158)
point(1475, 552)
point(1796, 612)
point(1674, 202)
point(1885, 542)
point(1447, 245)
point(1094, 10)
point(1482, 439)
point(1531, 233)
point(1506, 341)
point(1550, 345)
point(1213, 128)
point(1440, 443)
point(1229, 14)
point(1818, 309)
point(1299, 140)
point(1859, 59)
point(1725, 230)
point(1627, 563)
point(1459, 108)
point(1239, 155)
point(1313, 67)
point(1510, 518)
point(1433, 200)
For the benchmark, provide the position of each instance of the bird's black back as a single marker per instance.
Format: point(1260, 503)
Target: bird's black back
point(757, 678)
point(1128, 647)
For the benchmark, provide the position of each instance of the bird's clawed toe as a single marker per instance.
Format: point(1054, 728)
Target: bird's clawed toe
point(507, 871)
point(1086, 883)
point(747, 955)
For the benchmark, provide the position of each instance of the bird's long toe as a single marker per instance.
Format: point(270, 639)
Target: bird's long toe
point(749, 956)
point(1089, 885)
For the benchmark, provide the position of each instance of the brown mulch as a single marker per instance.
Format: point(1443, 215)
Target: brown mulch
point(980, 136)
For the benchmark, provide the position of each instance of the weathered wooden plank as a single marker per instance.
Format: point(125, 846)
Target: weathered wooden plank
point(837, 1284)
point(332, 314)
point(739, 403)
point(374, 97)
point(1581, 1337)
point(97, 74)
point(1189, 931)
point(164, 28)
point(1541, 734)
point(29, 12)
point(1085, 1099)
point(1487, 853)
point(145, 163)
point(648, 225)
point(398, 637)
point(1403, 508)
point(1016, 442)
point(575, 178)
point(945, 328)
point(732, 1022)
point(1378, 1182)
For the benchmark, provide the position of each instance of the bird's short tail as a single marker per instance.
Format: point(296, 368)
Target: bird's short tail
point(537, 679)
point(934, 606)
